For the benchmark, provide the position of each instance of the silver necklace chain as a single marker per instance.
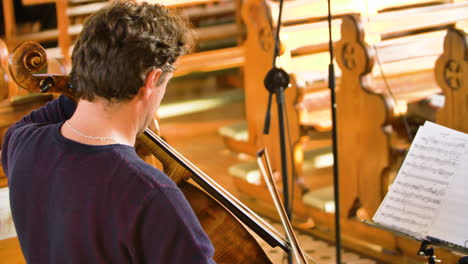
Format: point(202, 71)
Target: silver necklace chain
point(88, 136)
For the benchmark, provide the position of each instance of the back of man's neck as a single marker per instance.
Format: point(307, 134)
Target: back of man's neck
point(97, 123)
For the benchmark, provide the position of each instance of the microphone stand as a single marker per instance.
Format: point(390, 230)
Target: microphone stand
point(336, 186)
point(426, 251)
point(276, 81)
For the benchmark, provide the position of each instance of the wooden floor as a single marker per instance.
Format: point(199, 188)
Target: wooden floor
point(10, 252)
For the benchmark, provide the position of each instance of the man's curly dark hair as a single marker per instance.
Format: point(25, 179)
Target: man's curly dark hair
point(120, 44)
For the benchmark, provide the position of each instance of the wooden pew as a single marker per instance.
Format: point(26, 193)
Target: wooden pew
point(196, 11)
point(408, 73)
point(4, 89)
point(360, 120)
point(209, 61)
point(220, 33)
point(451, 74)
point(304, 36)
point(304, 46)
point(370, 150)
point(408, 61)
point(4, 83)
point(14, 38)
point(65, 13)
point(215, 21)
point(305, 33)
point(29, 27)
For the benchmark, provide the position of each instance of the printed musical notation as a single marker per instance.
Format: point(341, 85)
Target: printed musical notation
point(427, 158)
point(427, 183)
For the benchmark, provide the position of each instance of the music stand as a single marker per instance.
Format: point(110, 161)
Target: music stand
point(425, 250)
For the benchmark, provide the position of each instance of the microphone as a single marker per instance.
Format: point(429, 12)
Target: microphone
point(276, 79)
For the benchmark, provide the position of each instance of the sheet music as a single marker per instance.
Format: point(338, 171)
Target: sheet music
point(425, 179)
point(451, 224)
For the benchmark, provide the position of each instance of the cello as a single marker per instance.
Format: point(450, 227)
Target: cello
point(221, 215)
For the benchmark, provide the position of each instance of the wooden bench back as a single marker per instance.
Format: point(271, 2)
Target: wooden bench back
point(367, 106)
point(304, 54)
point(451, 72)
point(72, 13)
point(196, 11)
point(405, 37)
point(378, 27)
point(369, 154)
point(4, 83)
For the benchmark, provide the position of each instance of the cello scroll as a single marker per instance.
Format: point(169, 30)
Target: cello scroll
point(27, 65)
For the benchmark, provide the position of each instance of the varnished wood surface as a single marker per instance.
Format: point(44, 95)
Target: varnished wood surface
point(190, 125)
point(68, 12)
point(365, 108)
point(451, 72)
point(4, 79)
point(10, 252)
point(172, 3)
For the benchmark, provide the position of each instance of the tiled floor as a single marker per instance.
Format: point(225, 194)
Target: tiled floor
point(316, 250)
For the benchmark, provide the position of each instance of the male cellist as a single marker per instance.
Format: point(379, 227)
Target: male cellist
point(78, 191)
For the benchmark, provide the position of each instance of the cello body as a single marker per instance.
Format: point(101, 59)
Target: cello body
point(232, 242)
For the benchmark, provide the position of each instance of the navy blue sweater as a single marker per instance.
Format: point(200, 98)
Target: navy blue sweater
point(77, 203)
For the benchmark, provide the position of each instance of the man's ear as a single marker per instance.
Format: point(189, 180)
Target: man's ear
point(151, 79)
